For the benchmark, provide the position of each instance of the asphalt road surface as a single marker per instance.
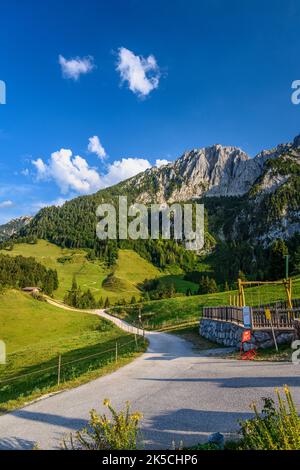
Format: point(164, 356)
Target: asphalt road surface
point(183, 395)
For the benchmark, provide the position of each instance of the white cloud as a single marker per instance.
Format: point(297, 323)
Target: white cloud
point(73, 68)
point(69, 173)
point(96, 147)
point(25, 172)
point(5, 204)
point(41, 167)
point(74, 173)
point(161, 162)
point(142, 74)
point(123, 169)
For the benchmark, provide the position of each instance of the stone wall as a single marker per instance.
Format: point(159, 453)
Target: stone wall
point(230, 334)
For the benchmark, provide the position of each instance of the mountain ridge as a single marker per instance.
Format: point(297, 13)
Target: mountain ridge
point(267, 188)
point(215, 171)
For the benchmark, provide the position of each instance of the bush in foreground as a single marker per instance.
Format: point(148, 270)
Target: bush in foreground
point(120, 431)
point(276, 428)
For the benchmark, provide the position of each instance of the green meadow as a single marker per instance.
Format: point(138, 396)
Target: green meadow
point(169, 312)
point(130, 270)
point(36, 333)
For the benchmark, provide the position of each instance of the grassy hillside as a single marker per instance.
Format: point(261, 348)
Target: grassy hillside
point(35, 334)
point(167, 312)
point(131, 269)
point(88, 274)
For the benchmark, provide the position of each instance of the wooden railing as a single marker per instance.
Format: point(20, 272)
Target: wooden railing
point(280, 318)
point(231, 314)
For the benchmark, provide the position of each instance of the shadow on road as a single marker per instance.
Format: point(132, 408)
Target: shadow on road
point(190, 426)
point(235, 382)
point(15, 443)
point(57, 420)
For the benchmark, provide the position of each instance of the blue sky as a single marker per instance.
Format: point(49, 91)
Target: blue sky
point(151, 79)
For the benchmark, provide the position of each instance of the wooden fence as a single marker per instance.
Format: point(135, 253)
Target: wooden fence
point(231, 314)
point(279, 318)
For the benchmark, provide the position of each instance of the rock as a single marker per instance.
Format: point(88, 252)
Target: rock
point(262, 336)
point(285, 338)
point(296, 142)
point(216, 438)
point(267, 344)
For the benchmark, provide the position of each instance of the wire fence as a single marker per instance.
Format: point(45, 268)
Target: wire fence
point(62, 371)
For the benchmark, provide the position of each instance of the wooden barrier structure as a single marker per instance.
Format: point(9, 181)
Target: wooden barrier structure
point(286, 283)
point(276, 318)
point(230, 314)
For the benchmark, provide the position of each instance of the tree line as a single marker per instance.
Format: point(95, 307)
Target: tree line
point(77, 298)
point(19, 272)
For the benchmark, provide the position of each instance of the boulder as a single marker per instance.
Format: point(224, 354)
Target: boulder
point(284, 338)
point(261, 336)
point(267, 344)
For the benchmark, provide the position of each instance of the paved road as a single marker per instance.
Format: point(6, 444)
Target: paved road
point(183, 396)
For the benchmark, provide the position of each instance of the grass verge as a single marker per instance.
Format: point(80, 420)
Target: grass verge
point(191, 334)
point(284, 354)
point(37, 333)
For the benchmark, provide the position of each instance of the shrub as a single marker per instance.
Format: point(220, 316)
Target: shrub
point(276, 428)
point(120, 432)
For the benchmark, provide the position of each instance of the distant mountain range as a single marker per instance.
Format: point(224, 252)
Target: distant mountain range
point(13, 227)
point(246, 198)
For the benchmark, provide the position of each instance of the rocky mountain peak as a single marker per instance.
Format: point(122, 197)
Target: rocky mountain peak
point(209, 171)
point(212, 171)
point(296, 142)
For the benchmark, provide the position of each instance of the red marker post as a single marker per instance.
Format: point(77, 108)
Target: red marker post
point(249, 355)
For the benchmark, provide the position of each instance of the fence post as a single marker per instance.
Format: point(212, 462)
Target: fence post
point(136, 344)
point(273, 332)
point(251, 318)
point(58, 369)
point(116, 352)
